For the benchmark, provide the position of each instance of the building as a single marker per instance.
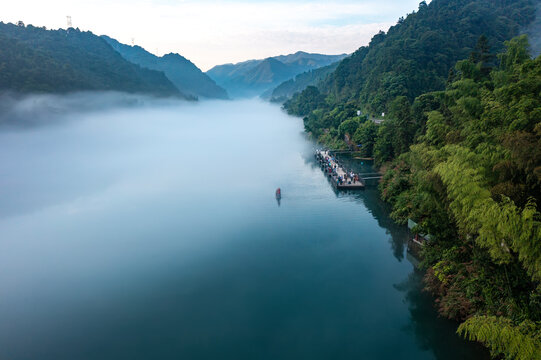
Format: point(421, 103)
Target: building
point(377, 121)
point(418, 238)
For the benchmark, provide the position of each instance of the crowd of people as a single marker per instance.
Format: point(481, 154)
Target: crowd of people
point(332, 167)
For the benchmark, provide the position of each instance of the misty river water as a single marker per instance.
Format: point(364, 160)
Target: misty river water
point(151, 231)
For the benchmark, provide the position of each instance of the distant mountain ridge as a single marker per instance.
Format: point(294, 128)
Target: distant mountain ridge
point(288, 88)
point(187, 77)
point(34, 59)
point(253, 77)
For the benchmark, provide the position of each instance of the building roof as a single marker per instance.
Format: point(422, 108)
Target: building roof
point(412, 224)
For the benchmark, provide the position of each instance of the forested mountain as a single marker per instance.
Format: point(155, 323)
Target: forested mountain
point(187, 77)
point(416, 54)
point(472, 179)
point(460, 148)
point(33, 59)
point(288, 88)
point(253, 77)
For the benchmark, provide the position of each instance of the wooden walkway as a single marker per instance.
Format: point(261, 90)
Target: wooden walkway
point(335, 171)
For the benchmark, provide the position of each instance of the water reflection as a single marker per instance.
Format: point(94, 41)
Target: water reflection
point(398, 235)
point(370, 198)
point(431, 332)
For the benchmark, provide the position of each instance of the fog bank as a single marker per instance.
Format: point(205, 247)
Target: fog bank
point(39, 109)
point(534, 33)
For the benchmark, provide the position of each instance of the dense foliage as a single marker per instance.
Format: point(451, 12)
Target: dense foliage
point(503, 337)
point(414, 57)
point(35, 59)
point(472, 179)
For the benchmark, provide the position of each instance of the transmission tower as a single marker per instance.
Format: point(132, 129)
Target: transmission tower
point(69, 22)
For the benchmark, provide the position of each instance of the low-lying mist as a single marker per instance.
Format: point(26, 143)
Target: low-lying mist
point(62, 150)
point(534, 32)
point(38, 109)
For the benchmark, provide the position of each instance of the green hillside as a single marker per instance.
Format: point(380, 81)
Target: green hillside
point(288, 88)
point(33, 59)
point(416, 54)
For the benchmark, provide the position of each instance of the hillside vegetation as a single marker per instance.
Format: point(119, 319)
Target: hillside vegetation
point(415, 55)
point(33, 59)
point(473, 181)
point(288, 88)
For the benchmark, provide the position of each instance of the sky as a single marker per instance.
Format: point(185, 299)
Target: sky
point(213, 32)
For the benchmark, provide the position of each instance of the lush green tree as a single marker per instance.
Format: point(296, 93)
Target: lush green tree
point(349, 127)
point(384, 149)
point(365, 138)
point(303, 103)
point(404, 127)
point(483, 56)
point(436, 129)
point(502, 337)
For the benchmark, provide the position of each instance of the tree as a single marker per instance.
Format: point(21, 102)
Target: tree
point(482, 56)
point(522, 342)
point(348, 127)
point(517, 52)
point(400, 112)
point(384, 146)
point(365, 137)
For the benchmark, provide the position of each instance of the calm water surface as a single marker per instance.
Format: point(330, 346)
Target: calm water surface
point(152, 232)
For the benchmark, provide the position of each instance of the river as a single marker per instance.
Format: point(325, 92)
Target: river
point(151, 231)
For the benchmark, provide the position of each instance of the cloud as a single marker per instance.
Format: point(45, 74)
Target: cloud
point(210, 32)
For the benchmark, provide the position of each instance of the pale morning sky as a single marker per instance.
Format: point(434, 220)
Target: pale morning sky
point(211, 32)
